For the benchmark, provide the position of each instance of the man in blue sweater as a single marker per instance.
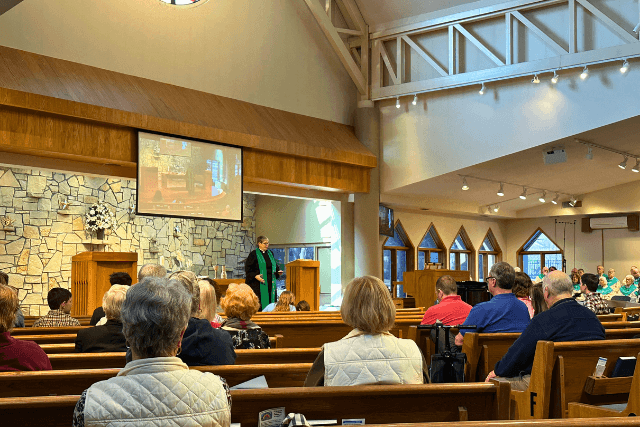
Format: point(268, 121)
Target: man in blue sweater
point(566, 320)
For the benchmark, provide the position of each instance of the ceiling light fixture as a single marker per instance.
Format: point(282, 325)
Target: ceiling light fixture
point(535, 79)
point(523, 196)
point(585, 73)
point(589, 155)
point(465, 186)
point(555, 201)
point(398, 102)
point(625, 67)
point(501, 190)
point(623, 164)
point(496, 208)
point(636, 168)
point(555, 77)
point(573, 201)
point(415, 99)
point(481, 91)
point(543, 198)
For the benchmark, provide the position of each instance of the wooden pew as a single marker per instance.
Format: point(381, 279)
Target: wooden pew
point(30, 320)
point(48, 338)
point(599, 386)
point(484, 351)
point(376, 404)
point(17, 332)
point(567, 422)
point(620, 325)
point(75, 381)
point(560, 371)
point(614, 317)
point(627, 311)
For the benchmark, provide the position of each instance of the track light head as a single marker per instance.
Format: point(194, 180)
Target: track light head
point(398, 102)
point(625, 67)
point(535, 79)
point(555, 201)
point(623, 164)
point(573, 201)
point(636, 168)
point(555, 77)
point(415, 99)
point(501, 190)
point(523, 196)
point(589, 155)
point(465, 186)
point(481, 91)
point(496, 208)
point(543, 198)
point(585, 73)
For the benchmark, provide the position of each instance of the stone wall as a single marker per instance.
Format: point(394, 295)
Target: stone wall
point(37, 246)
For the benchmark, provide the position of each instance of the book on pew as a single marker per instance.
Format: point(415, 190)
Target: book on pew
point(624, 367)
point(254, 383)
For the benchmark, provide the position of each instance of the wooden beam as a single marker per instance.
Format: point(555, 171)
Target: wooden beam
point(348, 31)
point(338, 45)
point(399, 60)
point(354, 53)
point(424, 55)
point(478, 44)
point(7, 5)
point(345, 14)
point(387, 63)
point(354, 13)
point(538, 32)
point(613, 26)
point(376, 66)
point(364, 61)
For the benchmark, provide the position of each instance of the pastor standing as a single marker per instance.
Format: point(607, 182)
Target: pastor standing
point(262, 270)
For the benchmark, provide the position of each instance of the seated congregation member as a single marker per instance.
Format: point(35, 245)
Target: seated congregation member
point(537, 299)
point(17, 355)
point(450, 310)
point(369, 354)
point(600, 271)
point(107, 337)
point(628, 288)
point(240, 303)
point(209, 302)
point(542, 275)
point(119, 278)
point(303, 306)
point(286, 302)
point(156, 387)
point(604, 289)
point(60, 302)
point(502, 313)
point(151, 270)
point(612, 280)
point(19, 322)
point(635, 272)
point(522, 290)
point(565, 320)
point(592, 299)
point(202, 344)
point(575, 279)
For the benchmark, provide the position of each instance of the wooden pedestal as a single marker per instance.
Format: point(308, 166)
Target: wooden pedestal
point(303, 279)
point(421, 284)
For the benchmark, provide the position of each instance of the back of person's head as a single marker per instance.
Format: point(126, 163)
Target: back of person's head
point(120, 278)
point(190, 282)
point(537, 299)
point(8, 307)
point(552, 268)
point(208, 301)
point(151, 270)
point(557, 283)
point(216, 287)
point(4, 278)
point(303, 306)
point(57, 296)
point(590, 281)
point(154, 314)
point(504, 274)
point(112, 301)
point(367, 305)
point(240, 302)
point(285, 300)
point(522, 285)
point(447, 285)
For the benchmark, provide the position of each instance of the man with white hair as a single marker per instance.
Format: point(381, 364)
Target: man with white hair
point(565, 320)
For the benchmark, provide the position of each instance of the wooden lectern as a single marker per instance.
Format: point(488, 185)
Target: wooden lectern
point(303, 279)
point(421, 284)
point(90, 273)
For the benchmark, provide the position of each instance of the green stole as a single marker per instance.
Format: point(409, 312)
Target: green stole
point(265, 298)
point(627, 290)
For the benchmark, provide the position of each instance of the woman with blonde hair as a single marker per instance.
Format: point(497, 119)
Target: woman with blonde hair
point(107, 337)
point(369, 349)
point(240, 303)
point(209, 302)
point(286, 302)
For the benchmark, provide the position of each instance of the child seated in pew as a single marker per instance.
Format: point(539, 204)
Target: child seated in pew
point(60, 302)
point(285, 302)
point(369, 354)
point(17, 355)
point(303, 306)
point(240, 303)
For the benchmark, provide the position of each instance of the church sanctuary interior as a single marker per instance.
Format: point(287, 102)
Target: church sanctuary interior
point(393, 139)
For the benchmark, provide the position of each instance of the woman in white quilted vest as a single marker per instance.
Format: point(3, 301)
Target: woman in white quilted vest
point(369, 354)
point(156, 388)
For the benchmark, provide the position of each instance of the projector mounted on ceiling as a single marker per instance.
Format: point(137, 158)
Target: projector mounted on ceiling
point(555, 155)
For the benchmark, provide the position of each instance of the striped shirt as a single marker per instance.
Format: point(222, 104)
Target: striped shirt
point(54, 319)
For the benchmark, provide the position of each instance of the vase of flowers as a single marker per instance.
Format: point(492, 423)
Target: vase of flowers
point(98, 219)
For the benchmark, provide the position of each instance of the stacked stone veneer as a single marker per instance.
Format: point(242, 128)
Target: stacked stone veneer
point(36, 249)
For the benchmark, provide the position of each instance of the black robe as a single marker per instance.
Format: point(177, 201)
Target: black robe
point(252, 269)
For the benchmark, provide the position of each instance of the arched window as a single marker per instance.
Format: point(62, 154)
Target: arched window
point(489, 254)
point(539, 250)
point(397, 257)
point(431, 250)
point(461, 253)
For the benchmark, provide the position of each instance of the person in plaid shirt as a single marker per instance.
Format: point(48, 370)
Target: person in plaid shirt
point(592, 299)
point(60, 302)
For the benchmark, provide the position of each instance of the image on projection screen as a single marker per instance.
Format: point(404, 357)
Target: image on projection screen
point(186, 178)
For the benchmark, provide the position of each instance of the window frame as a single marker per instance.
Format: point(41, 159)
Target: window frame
point(497, 251)
point(521, 252)
point(441, 248)
point(286, 247)
point(409, 248)
point(470, 251)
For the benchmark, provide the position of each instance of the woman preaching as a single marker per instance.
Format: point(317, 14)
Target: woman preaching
point(262, 270)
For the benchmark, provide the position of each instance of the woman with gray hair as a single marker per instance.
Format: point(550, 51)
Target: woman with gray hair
point(156, 388)
point(107, 337)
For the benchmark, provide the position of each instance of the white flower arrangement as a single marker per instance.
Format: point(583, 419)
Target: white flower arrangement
point(99, 217)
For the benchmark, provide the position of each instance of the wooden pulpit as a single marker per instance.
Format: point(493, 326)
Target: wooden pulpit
point(421, 284)
point(90, 273)
point(303, 279)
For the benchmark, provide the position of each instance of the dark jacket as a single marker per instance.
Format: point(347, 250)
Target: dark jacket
point(98, 314)
point(100, 339)
point(202, 345)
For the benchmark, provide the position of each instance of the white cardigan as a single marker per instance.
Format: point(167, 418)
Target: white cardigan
point(159, 391)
